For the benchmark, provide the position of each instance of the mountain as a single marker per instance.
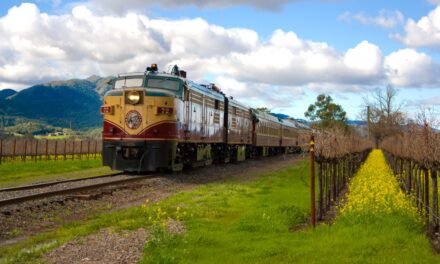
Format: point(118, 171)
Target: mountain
point(101, 84)
point(6, 93)
point(73, 103)
point(356, 123)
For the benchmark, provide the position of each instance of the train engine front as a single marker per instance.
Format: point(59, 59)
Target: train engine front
point(142, 121)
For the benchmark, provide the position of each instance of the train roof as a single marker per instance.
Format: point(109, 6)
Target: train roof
point(205, 89)
point(260, 115)
point(237, 104)
point(296, 124)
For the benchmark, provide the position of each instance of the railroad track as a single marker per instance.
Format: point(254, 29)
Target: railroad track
point(46, 184)
point(17, 195)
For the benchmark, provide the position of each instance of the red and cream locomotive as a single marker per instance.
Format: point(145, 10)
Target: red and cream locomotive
point(163, 121)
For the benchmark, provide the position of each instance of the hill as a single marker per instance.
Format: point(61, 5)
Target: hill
point(6, 93)
point(73, 103)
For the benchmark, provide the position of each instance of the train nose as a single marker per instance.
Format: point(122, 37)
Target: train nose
point(131, 153)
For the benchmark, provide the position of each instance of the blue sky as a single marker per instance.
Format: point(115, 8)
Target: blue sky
point(278, 53)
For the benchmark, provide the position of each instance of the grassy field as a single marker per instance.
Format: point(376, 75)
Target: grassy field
point(262, 221)
point(19, 173)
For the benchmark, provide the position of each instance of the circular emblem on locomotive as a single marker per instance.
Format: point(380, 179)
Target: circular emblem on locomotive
point(133, 119)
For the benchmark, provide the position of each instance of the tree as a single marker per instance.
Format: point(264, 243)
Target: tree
point(385, 115)
point(326, 112)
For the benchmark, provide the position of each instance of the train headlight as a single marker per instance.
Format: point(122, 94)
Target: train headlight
point(133, 97)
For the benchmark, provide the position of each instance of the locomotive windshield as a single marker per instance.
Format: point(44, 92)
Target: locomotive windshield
point(129, 82)
point(167, 83)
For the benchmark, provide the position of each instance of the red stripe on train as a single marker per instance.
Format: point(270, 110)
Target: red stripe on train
point(166, 130)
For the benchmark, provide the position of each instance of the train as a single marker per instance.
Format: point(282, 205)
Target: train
point(162, 121)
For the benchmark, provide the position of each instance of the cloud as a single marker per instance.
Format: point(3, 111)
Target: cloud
point(37, 47)
point(423, 33)
point(435, 2)
point(117, 5)
point(285, 59)
point(385, 18)
point(433, 101)
point(259, 94)
point(409, 68)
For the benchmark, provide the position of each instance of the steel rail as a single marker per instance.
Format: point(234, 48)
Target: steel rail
point(46, 184)
point(18, 200)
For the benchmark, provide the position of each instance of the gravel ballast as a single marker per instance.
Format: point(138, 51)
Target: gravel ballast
point(104, 247)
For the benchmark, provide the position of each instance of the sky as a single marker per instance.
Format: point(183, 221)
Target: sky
point(278, 54)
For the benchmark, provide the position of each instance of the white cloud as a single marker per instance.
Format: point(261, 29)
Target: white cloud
point(37, 47)
point(385, 18)
point(425, 32)
point(408, 67)
point(433, 101)
point(365, 58)
point(258, 94)
point(118, 5)
point(435, 2)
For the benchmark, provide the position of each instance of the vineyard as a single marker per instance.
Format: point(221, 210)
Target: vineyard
point(414, 157)
point(339, 156)
point(407, 164)
point(37, 150)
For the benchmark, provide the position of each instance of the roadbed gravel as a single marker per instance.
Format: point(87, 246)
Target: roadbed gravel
point(4, 195)
point(106, 246)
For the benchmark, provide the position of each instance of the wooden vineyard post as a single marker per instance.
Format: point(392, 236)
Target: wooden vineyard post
point(333, 180)
point(73, 149)
point(65, 148)
point(435, 223)
point(408, 172)
point(96, 148)
point(88, 149)
point(321, 197)
point(312, 181)
point(80, 149)
point(1, 150)
point(56, 148)
point(36, 150)
point(13, 150)
point(25, 150)
point(47, 149)
point(426, 191)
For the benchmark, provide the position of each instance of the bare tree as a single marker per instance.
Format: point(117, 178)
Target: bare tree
point(385, 117)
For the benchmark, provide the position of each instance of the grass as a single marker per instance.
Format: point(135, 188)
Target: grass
point(19, 173)
point(250, 224)
point(236, 222)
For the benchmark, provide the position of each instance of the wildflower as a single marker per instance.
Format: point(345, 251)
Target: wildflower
point(376, 191)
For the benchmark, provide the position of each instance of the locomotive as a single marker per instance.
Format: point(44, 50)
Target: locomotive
point(163, 121)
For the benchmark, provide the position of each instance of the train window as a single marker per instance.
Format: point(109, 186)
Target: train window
point(233, 122)
point(128, 82)
point(217, 104)
point(216, 118)
point(234, 110)
point(166, 83)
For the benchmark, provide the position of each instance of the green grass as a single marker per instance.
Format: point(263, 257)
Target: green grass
point(251, 223)
point(19, 173)
point(236, 222)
